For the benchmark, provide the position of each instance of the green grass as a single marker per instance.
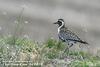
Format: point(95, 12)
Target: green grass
point(47, 54)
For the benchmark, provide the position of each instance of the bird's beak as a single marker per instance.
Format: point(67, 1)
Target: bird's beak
point(55, 23)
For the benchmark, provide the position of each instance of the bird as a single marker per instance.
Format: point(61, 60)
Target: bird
point(67, 35)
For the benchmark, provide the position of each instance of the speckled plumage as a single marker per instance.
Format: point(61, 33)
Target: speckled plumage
point(66, 35)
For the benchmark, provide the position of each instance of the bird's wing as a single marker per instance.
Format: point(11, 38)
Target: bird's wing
point(68, 35)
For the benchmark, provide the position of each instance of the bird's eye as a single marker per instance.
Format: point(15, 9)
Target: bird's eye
point(59, 21)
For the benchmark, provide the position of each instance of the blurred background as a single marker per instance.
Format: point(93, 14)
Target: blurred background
point(38, 16)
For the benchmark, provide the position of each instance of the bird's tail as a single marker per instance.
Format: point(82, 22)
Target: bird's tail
point(84, 42)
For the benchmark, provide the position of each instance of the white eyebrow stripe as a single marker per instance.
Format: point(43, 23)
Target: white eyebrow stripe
point(61, 20)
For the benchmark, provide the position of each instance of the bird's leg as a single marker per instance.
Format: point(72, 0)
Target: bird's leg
point(80, 45)
point(67, 50)
point(63, 54)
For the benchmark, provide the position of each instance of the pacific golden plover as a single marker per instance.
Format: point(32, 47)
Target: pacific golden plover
point(66, 35)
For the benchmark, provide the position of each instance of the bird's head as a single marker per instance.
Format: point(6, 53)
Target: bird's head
point(60, 22)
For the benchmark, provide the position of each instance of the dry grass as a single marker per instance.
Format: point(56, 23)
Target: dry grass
point(49, 54)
